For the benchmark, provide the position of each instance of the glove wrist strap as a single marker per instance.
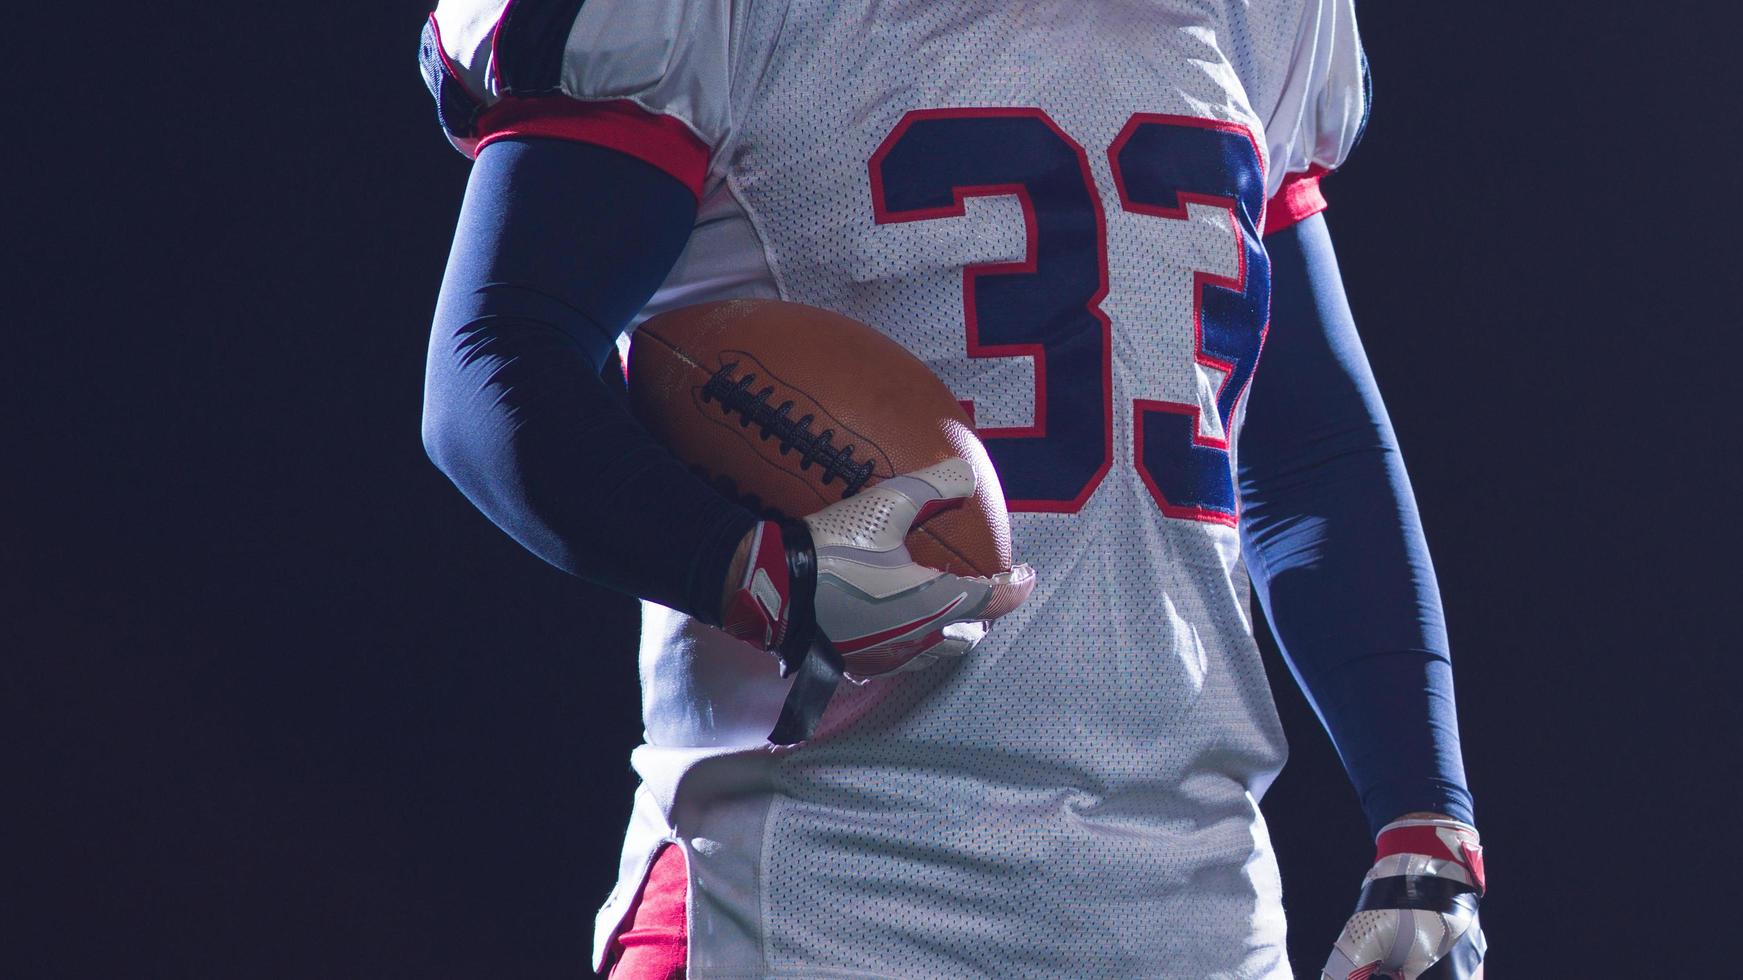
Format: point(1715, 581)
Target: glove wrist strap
point(799, 557)
point(1446, 840)
point(805, 652)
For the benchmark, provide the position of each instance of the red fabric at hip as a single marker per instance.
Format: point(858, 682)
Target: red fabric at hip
point(654, 941)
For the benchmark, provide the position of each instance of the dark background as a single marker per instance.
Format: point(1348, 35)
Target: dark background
point(285, 705)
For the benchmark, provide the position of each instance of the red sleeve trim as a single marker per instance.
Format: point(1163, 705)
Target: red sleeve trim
point(620, 125)
point(1297, 200)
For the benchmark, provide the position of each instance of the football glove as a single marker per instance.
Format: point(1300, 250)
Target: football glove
point(1417, 917)
point(837, 593)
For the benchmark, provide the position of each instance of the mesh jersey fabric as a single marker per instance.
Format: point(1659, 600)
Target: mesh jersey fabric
point(1079, 796)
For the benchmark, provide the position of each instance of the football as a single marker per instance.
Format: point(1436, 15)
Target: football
point(790, 408)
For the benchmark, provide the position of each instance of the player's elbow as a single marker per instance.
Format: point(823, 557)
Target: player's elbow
point(456, 409)
point(454, 447)
point(436, 432)
point(446, 436)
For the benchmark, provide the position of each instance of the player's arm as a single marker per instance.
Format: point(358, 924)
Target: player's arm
point(1335, 547)
point(558, 245)
point(593, 127)
point(1339, 562)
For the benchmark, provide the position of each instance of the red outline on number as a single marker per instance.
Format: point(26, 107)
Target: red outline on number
point(1199, 281)
point(970, 273)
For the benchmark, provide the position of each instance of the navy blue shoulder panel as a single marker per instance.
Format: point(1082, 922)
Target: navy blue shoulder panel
point(456, 109)
point(530, 41)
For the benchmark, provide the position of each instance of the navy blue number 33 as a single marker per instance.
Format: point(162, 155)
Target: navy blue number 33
point(1048, 306)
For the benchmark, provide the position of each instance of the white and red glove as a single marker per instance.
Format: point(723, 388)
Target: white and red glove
point(837, 592)
point(1417, 917)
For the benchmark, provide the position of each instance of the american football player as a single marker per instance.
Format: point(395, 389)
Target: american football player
point(1088, 219)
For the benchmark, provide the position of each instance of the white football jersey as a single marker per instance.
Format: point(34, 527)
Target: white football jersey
point(1056, 204)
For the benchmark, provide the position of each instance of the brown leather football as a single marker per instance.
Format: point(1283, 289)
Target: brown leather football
point(791, 408)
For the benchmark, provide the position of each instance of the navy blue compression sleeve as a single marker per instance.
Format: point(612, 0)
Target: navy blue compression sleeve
point(559, 244)
point(1335, 548)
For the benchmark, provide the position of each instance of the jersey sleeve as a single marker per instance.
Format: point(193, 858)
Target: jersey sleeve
point(1321, 107)
point(648, 78)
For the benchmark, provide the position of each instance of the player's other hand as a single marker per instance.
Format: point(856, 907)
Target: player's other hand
point(882, 611)
point(1417, 916)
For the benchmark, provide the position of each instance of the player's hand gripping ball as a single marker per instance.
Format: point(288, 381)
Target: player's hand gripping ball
point(883, 611)
point(1417, 917)
point(886, 539)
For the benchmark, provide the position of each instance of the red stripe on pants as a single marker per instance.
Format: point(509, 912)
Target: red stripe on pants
point(654, 941)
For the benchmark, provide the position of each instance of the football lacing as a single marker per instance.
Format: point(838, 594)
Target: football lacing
point(776, 422)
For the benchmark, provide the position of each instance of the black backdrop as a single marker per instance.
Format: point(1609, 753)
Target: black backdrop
point(285, 705)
